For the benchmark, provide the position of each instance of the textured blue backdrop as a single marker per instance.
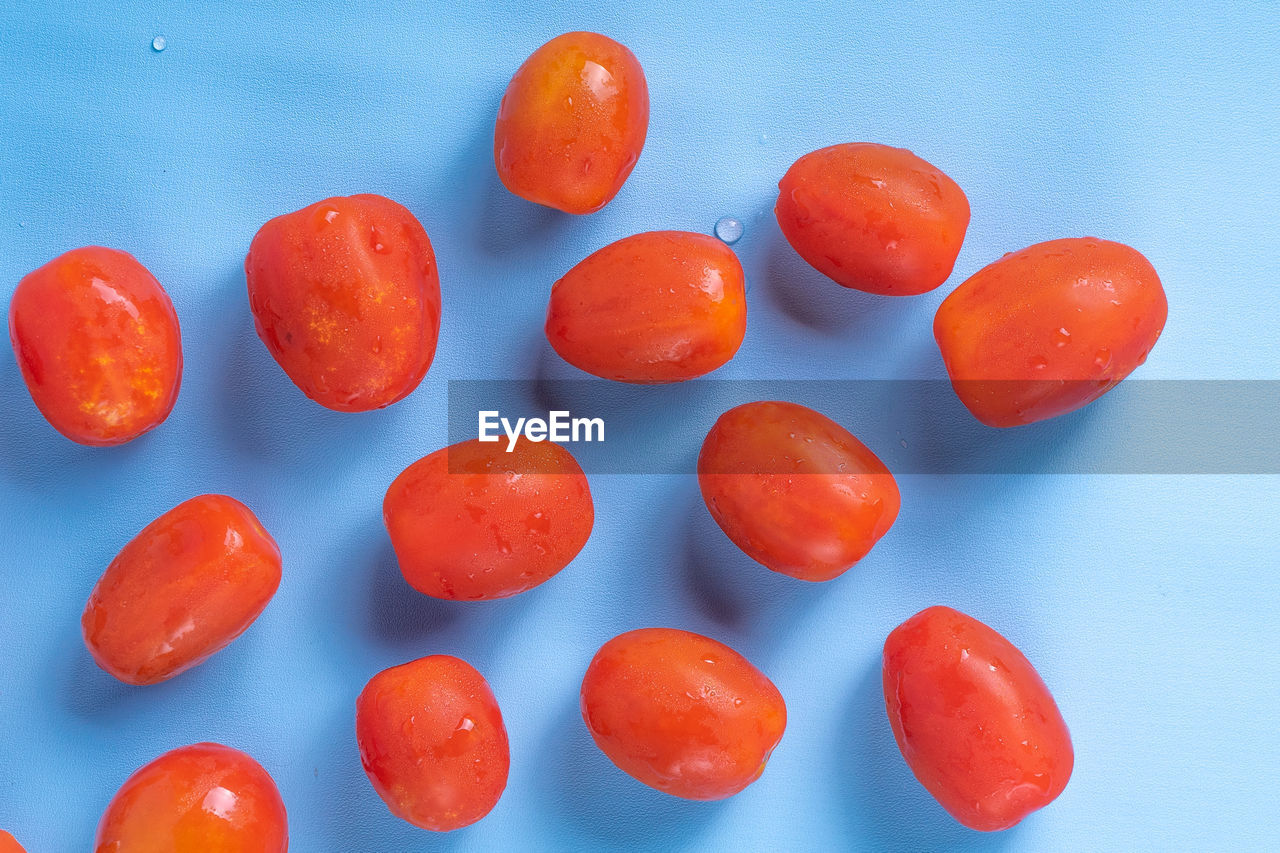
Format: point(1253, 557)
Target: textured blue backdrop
point(1148, 603)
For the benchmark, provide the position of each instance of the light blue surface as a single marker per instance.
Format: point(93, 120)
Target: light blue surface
point(1149, 604)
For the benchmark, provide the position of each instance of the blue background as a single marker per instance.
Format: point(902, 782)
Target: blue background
point(1149, 604)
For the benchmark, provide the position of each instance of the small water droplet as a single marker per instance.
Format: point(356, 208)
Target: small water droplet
point(1103, 358)
point(1062, 337)
point(158, 44)
point(903, 442)
point(729, 229)
point(1038, 362)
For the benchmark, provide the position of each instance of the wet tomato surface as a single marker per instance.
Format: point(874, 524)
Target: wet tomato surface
point(662, 306)
point(681, 712)
point(196, 799)
point(432, 740)
point(97, 340)
point(191, 582)
point(472, 521)
point(1049, 329)
point(346, 296)
point(572, 123)
point(873, 218)
point(795, 490)
point(973, 719)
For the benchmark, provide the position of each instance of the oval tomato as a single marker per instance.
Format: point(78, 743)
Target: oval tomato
point(8, 844)
point(433, 743)
point(97, 341)
point(681, 712)
point(663, 306)
point(873, 218)
point(974, 721)
point(572, 123)
point(195, 800)
point(472, 521)
point(346, 296)
point(1049, 329)
point(191, 582)
point(795, 490)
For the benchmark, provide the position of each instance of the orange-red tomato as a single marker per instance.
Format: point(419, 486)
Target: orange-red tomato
point(196, 799)
point(1046, 330)
point(795, 490)
point(191, 582)
point(572, 123)
point(97, 341)
point(681, 712)
point(346, 296)
point(662, 306)
point(874, 218)
point(432, 741)
point(973, 719)
point(9, 845)
point(472, 521)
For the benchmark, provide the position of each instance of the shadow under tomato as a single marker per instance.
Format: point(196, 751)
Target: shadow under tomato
point(400, 617)
point(265, 415)
point(352, 811)
point(748, 600)
point(606, 809)
point(889, 805)
point(812, 299)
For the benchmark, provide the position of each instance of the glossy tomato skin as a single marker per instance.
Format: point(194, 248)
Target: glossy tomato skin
point(795, 490)
point(472, 521)
point(1049, 329)
point(572, 123)
point(191, 582)
point(433, 742)
point(97, 341)
point(346, 296)
point(196, 799)
point(873, 218)
point(9, 845)
point(662, 306)
point(973, 719)
point(681, 712)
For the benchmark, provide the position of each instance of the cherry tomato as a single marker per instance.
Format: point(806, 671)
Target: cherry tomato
point(8, 844)
point(191, 582)
point(346, 296)
point(663, 306)
point(433, 743)
point(572, 123)
point(681, 712)
point(472, 521)
point(795, 490)
point(974, 721)
point(873, 218)
point(196, 799)
point(1049, 329)
point(97, 341)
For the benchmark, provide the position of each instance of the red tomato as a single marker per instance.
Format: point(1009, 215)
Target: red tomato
point(873, 218)
point(9, 845)
point(346, 296)
point(472, 521)
point(197, 799)
point(663, 306)
point(681, 712)
point(795, 490)
point(1046, 330)
point(433, 743)
point(191, 582)
point(572, 123)
point(97, 341)
point(974, 721)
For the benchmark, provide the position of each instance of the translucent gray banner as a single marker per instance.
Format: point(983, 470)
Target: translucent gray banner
point(914, 426)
